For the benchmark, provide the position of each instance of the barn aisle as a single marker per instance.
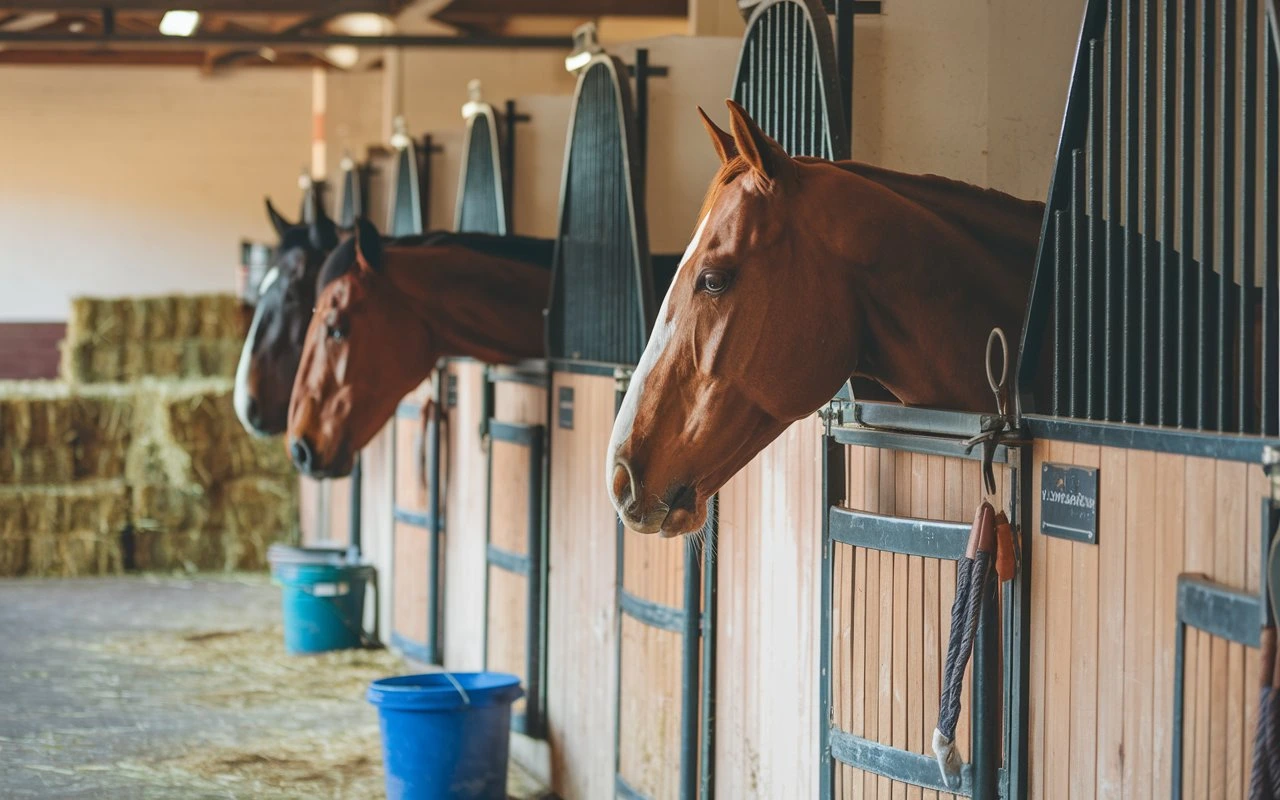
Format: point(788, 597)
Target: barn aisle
point(167, 687)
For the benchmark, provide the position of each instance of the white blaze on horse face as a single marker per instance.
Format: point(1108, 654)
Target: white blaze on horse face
point(658, 340)
point(240, 394)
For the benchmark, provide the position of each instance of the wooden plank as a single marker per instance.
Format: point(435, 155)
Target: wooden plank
point(1035, 694)
point(465, 519)
point(901, 681)
point(855, 681)
point(888, 505)
point(933, 643)
point(872, 602)
point(508, 604)
point(1198, 549)
point(509, 527)
point(1084, 653)
point(915, 619)
point(649, 733)
point(1058, 654)
point(1259, 488)
point(409, 589)
point(1229, 558)
point(1170, 509)
point(1112, 515)
point(1138, 610)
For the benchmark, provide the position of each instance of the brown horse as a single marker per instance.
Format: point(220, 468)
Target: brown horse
point(803, 273)
point(269, 359)
point(379, 330)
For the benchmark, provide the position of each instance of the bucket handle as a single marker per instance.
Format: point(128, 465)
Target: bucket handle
point(466, 698)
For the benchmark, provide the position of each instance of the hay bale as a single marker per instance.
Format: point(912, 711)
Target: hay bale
point(65, 530)
point(256, 513)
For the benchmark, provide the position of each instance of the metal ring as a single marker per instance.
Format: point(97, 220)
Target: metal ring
point(998, 386)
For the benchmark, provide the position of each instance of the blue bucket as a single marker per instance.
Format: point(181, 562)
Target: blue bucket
point(323, 598)
point(445, 735)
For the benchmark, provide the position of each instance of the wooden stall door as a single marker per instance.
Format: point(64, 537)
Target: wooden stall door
point(582, 594)
point(514, 622)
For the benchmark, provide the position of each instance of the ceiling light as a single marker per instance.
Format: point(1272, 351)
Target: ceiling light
point(179, 23)
point(344, 56)
point(362, 24)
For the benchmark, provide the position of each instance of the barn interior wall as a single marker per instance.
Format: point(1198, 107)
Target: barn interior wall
point(140, 180)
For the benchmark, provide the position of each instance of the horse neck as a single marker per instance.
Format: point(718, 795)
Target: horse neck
point(471, 304)
point(972, 250)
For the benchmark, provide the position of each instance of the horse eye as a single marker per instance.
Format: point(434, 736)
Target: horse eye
point(713, 281)
point(336, 333)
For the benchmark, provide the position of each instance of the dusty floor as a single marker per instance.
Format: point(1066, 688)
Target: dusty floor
point(159, 687)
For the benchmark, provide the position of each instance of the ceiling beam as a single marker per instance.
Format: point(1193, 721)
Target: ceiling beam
point(309, 7)
point(300, 40)
point(177, 58)
point(570, 8)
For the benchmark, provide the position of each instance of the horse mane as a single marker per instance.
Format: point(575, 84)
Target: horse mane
point(997, 220)
point(523, 249)
point(1000, 222)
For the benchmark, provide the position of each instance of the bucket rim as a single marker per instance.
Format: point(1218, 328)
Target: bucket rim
point(282, 554)
point(434, 691)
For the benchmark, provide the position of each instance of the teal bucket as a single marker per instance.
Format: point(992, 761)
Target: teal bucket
point(322, 598)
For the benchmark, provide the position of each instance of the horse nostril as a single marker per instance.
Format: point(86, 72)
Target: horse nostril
point(683, 498)
point(621, 483)
point(302, 453)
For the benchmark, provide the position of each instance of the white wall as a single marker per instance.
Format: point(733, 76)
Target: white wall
point(140, 180)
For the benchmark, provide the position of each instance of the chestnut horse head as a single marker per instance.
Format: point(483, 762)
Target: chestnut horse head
point(802, 274)
point(269, 359)
point(379, 330)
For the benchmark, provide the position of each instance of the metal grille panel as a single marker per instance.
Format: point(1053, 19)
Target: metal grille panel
point(351, 198)
point(481, 206)
point(1156, 290)
point(602, 295)
point(786, 78)
point(406, 201)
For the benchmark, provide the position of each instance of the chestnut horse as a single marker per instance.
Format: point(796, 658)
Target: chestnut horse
point(269, 359)
point(379, 330)
point(802, 274)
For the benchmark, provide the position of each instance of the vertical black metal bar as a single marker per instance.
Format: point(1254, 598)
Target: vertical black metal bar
point(1187, 207)
point(1226, 213)
point(709, 611)
point(534, 717)
point(1112, 341)
point(1208, 69)
point(844, 61)
point(1076, 297)
point(1129, 355)
point(1092, 384)
point(357, 497)
point(424, 181)
point(1146, 205)
point(689, 696)
point(642, 115)
point(1018, 601)
point(1179, 677)
point(1245, 365)
point(1062, 323)
point(508, 163)
point(1168, 67)
point(986, 719)
point(1271, 237)
point(833, 483)
point(433, 514)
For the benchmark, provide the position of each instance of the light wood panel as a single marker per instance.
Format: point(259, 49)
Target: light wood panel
point(653, 568)
point(509, 500)
point(649, 728)
point(463, 508)
point(508, 623)
point(1103, 726)
point(767, 629)
point(409, 593)
point(582, 596)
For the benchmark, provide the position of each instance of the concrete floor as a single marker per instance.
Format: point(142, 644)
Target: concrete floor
point(167, 687)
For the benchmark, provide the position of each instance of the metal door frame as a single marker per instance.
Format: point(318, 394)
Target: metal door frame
point(984, 777)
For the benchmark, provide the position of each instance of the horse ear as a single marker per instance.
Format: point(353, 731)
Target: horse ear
point(721, 140)
point(368, 246)
point(763, 154)
point(278, 222)
point(322, 232)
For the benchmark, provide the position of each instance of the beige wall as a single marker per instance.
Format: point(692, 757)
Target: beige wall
point(970, 89)
point(140, 180)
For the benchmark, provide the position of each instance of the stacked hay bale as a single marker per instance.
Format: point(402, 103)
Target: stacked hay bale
point(206, 495)
point(124, 339)
point(98, 474)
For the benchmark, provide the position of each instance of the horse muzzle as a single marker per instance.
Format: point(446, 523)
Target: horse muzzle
point(308, 460)
point(663, 515)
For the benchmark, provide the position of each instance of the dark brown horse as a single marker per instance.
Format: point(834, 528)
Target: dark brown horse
point(269, 359)
point(802, 274)
point(379, 330)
